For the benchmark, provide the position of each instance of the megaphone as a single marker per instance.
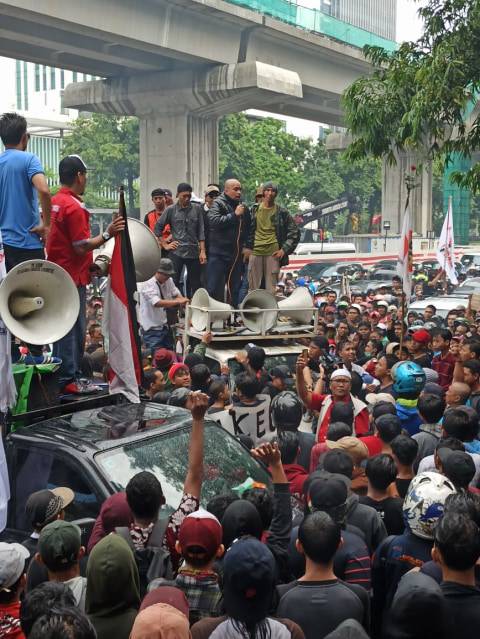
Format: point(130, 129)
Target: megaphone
point(259, 321)
point(145, 249)
point(300, 298)
point(39, 302)
point(218, 311)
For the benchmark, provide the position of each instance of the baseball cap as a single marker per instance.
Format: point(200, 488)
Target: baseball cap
point(342, 303)
point(376, 398)
point(382, 303)
point(458, 466)
point(212, 188)
point(381, 326)
point(351, 445)
point(163, 358)
point(72, 164)
point(59, 543)
point(326, 492)
point(200, 531)
point(12, 564)
point(281, 371)
point(430, 375)
point(422, 337)
point(248, 580)
point(434, 389)
point(44, 505)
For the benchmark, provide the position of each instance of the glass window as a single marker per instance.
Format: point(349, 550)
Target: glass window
point(227, 463)
point(62, 79)
point(44, 78)
point(53, 79)
point(37, 77)
point(38, 469)
point(18, 82)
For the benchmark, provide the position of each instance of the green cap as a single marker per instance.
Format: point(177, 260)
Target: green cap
point(59, 544)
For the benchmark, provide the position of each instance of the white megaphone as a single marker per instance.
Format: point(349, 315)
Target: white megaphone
point(258, 319)
point(299, 299)
point(39, 302)
point(145, 249)
point(208, 311)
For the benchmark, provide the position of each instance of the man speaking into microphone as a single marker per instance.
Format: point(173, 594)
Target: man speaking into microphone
point(228, 230)
point(70, 246)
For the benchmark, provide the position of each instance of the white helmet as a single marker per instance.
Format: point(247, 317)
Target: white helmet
point(423, 505)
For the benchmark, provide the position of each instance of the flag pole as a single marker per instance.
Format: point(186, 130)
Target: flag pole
point(402, 336)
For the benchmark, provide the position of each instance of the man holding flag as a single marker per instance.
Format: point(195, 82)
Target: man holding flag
point(446, 247)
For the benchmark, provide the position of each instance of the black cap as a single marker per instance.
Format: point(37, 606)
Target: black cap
point(326, 492)
point(156, 192)
point(281, 371)
point(72, 164)
point(43, 506)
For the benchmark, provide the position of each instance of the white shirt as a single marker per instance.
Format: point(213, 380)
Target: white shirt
point(152, 316)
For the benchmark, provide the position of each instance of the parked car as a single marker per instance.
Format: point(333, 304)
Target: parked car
point(314, 269)
point(96, 449)
point(443, 304)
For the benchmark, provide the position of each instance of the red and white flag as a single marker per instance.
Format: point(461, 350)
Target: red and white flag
point(446, 246)
point(120, 318)
point(405, 257)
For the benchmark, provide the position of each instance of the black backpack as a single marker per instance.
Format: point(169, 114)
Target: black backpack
point(153, 561)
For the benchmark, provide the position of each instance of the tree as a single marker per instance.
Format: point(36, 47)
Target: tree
point(421, 96)
point(109, 145)
point(254, 152)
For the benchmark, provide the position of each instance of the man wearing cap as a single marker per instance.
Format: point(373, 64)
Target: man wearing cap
point(60, 550)
point(187, 246)
point(418, 348)
point(152, 217)
point(280, 376)
point(273, 236)
point(340, 387)
point(156, 295)
point(70, 246)
point(12, 584)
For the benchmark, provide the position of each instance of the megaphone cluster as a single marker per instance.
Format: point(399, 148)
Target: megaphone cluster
point(259, 310)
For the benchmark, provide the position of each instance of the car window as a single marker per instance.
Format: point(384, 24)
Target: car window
point(38, 469)
point(226, 465)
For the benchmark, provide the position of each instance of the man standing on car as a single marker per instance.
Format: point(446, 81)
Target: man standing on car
point(228, 229)
point(187, 246)
point(273, 236)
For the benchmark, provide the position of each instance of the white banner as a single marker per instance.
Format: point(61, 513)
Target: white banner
point(405, 257)
point(446, 246)
point(253, 421)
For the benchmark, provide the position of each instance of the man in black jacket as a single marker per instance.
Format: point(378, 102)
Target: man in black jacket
point(273, 236)
point(228, 229)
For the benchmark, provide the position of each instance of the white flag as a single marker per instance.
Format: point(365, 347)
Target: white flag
point(405, 257)
point(8, 395)
point(446, 247)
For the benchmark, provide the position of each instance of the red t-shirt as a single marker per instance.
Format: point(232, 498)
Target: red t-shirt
point(361, 421)
point(70, 225)
point(374, 445)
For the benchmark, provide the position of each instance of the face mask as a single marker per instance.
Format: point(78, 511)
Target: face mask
point(437, 353)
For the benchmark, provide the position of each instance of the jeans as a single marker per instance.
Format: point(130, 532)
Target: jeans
point(193, 273)
point(220, 272)
point(70, 348)
point(157, 338)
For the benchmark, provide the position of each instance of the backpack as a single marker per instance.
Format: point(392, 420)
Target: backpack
point(153, 561)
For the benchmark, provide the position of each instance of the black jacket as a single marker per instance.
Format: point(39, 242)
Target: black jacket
point(286, 231)
point(227, 232)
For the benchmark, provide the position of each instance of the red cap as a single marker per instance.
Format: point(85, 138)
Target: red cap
point(202, 530)
point(421, 336)
point(163, 358)
point(174, 370)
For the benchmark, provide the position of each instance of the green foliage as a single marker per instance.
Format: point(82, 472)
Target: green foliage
point(259, 151)
point(420, 97)
point(110, 147)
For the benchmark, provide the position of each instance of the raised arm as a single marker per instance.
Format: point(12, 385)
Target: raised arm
point(193, 480)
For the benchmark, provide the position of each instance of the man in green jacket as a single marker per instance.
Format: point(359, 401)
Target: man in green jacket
point(273, 237)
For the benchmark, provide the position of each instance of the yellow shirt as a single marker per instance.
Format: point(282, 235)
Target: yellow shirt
point(265, 238)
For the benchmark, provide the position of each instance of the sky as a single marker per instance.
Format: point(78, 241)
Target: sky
point(409, 25)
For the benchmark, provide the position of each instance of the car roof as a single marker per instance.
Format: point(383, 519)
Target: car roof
point(105, 427)
point(223, 351)
point(444, 303)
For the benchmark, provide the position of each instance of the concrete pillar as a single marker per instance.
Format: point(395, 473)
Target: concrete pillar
point(177, 147)
point(179, 112)
point(394, 193)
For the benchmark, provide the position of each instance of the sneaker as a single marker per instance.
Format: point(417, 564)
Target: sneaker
point(82, 387)
point(36, 360)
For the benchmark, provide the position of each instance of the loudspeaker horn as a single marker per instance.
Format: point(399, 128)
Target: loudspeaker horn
point(219, 311)
point(258, 321)
point(145, 249)
point(300, 298)
point(39, 302)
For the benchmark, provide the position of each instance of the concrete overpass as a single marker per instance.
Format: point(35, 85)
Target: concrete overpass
point(179, 66)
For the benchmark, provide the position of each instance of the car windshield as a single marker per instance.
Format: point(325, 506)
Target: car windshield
point(271, 361)
point(226, 463)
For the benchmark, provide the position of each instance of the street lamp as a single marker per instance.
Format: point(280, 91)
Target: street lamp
point(386, 228)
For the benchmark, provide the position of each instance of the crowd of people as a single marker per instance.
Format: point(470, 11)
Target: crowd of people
point(369, 524)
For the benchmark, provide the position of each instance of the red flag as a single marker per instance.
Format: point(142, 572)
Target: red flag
point(122, 331)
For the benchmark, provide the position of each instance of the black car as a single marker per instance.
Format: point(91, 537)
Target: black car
point(96, 451)
point(314, 269)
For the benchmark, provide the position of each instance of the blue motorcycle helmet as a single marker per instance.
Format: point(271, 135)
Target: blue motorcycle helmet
point(409, 378)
